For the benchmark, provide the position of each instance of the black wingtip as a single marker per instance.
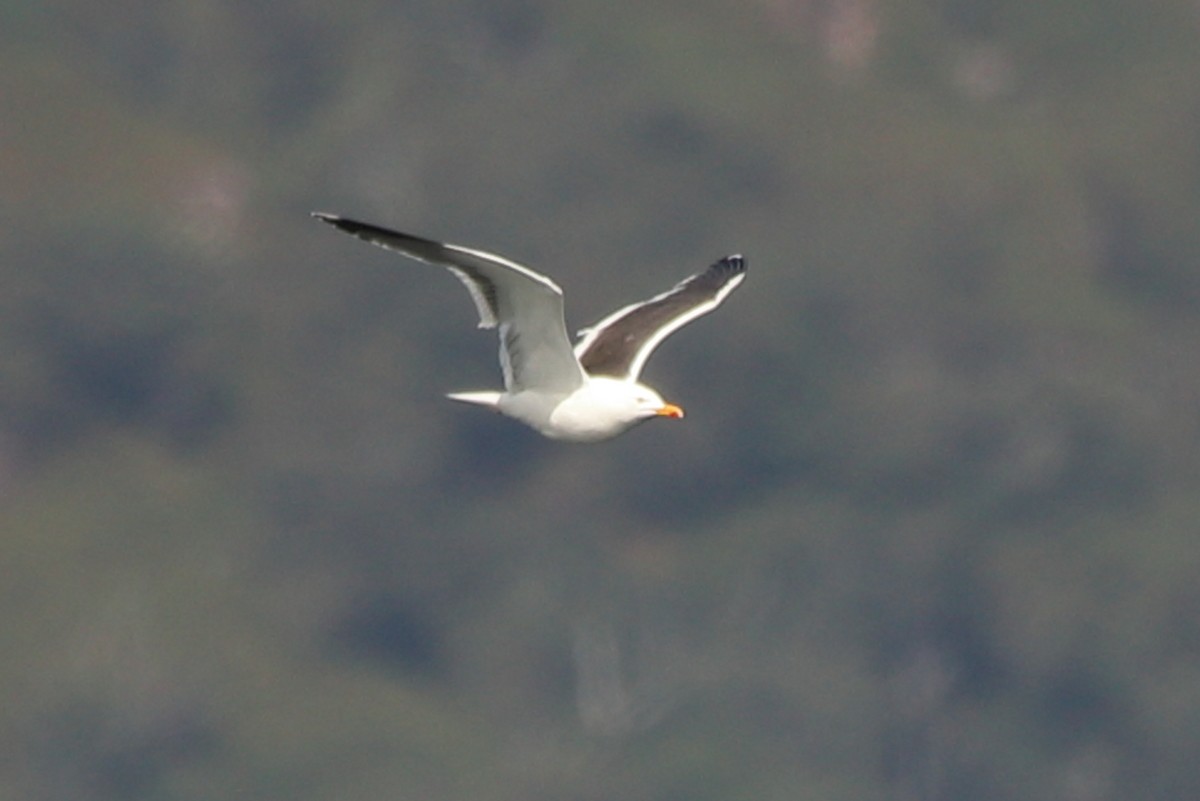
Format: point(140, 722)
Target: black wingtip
point(734, 263)
point(341, 223)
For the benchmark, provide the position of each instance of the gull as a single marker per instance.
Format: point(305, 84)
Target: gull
point(585, 393)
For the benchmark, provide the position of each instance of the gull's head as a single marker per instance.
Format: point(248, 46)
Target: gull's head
point(642, 403)
point(651, 404)
point(604, 407)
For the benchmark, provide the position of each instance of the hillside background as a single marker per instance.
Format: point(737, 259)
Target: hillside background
point(931, 529)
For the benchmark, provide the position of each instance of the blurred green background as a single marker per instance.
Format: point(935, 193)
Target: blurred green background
point(929, 530)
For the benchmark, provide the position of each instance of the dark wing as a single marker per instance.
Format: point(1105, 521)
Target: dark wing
point(620, 344)
point(535, 351)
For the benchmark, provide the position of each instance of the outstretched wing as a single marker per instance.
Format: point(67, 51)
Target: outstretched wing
point(535, 351)
point(620, 344)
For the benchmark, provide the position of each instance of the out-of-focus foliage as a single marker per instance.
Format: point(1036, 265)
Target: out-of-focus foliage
point(928, 532)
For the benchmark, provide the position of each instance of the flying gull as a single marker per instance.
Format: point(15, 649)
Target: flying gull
point(583, 394)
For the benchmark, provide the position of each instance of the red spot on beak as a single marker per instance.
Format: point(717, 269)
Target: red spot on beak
point(670, 410)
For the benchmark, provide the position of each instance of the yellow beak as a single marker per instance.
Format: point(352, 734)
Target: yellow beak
point(670, 410)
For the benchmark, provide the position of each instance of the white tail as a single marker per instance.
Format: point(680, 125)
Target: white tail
point(481, 398)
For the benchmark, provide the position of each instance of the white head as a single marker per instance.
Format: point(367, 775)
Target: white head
point(649, 403)
point(604, 407)
point(629, 401)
